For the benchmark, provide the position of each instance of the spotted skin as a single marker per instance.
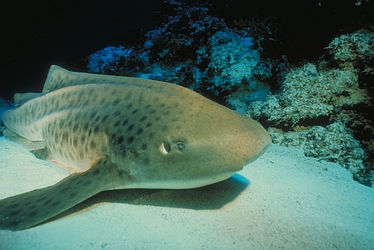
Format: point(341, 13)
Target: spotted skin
point(121, 132)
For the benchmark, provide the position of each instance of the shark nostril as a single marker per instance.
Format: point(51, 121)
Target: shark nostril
point(165, 148)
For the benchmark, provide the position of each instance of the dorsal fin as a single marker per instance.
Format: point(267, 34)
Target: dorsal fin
point(60, 78)
point(57, 78)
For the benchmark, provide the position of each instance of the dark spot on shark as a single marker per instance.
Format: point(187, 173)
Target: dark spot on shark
point(81, 154)
point(104, 118)
point(83, 139)
point(72, 195)
point(130, 139)
point(115, 103)
point(65, 136)
point(87, 182)
point(120, 140)
point(12, 206)
point(74, 128)
point(41, 198)
point(96, 172)
point(47, 202)
point(79, 182)
point(56, 203)
point(61, 123)
point(75, 142)
point(65, 189)
point(96, 128)
point(124, 122)
point(33, 213)
point(85, 126)
point(15, 212)
point(97, 118)
point(92, 145)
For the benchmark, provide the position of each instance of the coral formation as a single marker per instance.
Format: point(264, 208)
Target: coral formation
point(191, 48)
point(232, 62)
point(107, 59)
point(352, 49)
point(308, 95)
point(332, 100)
point(334, 143)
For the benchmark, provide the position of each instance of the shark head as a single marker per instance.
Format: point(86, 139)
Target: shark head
point(191, 143)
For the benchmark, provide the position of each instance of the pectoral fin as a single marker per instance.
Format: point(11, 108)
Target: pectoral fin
point(29, 209)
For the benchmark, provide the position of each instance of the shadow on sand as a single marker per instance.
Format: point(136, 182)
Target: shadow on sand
point(209, 197)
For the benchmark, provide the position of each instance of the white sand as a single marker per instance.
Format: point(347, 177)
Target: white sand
point(281, 201)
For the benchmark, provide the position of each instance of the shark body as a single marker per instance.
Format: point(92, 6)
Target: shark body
point(120, 132)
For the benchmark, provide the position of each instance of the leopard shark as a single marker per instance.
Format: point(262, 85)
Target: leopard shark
point(115, 132)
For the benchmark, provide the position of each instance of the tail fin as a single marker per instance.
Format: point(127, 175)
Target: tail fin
point(4, 106)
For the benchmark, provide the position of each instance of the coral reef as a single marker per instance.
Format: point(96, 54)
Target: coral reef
point(337, 101)
point(232, 62)
point(309, 95)
point(353, 49)
point(334, 143)
point(107, 59)
point(191, 48)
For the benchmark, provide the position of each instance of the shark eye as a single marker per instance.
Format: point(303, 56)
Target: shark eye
point(165, 148)
point(180, 146)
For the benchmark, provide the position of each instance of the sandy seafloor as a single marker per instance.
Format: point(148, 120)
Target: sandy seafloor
point(283, 200)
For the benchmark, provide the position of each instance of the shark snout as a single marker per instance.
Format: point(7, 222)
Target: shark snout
point(246, 143)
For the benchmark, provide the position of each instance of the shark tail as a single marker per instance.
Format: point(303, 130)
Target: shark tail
point(4, 106)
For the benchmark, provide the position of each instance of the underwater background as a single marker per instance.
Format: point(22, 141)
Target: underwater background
point(303, 69)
